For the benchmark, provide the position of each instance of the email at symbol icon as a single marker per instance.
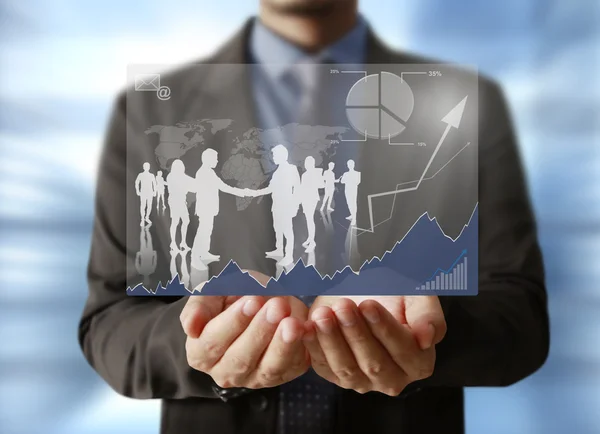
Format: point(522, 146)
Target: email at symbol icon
point(149, 82)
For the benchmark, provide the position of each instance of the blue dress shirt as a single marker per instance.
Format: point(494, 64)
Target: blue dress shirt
point(306, 404)
point(274, 56)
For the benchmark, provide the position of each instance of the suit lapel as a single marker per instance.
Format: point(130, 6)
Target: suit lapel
point(221, 85)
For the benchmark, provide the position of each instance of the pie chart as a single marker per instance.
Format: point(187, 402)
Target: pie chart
point(379, 105)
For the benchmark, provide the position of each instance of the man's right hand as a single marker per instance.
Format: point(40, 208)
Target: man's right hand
point(251, 341)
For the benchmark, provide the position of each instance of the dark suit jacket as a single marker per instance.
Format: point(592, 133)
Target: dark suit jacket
point(494, 339)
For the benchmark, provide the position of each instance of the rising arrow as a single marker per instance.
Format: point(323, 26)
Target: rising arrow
point(453, 119)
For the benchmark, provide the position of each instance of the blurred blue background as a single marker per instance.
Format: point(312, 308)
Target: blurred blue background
point(62, 62)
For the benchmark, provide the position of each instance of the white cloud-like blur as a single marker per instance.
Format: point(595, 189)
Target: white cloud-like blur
point(63, 61)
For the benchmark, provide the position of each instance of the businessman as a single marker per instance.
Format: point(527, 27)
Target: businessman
point(310, 183)
point(377, 365)
point(179, 184)
point(207, 188)
point(283, 188)
point(351, 180)
point(329, 186)
point(145, 188)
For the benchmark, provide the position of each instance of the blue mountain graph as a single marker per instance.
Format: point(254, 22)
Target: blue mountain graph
point(424, 252)
point(174, 287)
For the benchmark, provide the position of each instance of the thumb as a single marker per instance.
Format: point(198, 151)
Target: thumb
point(425, 317)
point(198, 311)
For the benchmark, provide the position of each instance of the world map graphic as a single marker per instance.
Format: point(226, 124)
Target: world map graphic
point(249, 164)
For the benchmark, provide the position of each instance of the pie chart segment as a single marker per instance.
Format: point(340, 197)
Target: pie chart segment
point(365, 121)
point(365, 92)
point(390, 126)
point(396, 96)
point(380, 118)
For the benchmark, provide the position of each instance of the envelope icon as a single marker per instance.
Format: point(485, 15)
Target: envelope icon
point(150, 82)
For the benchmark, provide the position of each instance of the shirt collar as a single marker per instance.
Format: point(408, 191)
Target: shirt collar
point(276, 54)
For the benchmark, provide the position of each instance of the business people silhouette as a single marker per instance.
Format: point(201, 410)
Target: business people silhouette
point(207, 186)
point(284, 189)
point(179, 185)
point(145, 188)
point(160, 192)
point(351, 180)
point(287, 188)
point(329, 185)
point(310, 183)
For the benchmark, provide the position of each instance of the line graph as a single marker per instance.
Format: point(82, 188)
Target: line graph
point(439, 270)
point(398, 258)
point(453, 119)
point(456, 277)
point(412, 182)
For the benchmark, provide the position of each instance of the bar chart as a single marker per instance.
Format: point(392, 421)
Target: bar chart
point(455, 278)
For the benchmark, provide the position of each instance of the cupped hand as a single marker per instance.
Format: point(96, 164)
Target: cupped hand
point(374, 343)
point(251, 341)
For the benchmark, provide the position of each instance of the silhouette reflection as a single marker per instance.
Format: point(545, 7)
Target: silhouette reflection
point(198, 276)
point(280, 268)
point(180, 268)
point(351, 254)
point(145, 258)
point(311, 258)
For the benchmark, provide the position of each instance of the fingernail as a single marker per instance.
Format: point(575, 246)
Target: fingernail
point(370, 314)
point(324, 325)
point(288, 335)
point(346, 317)
point(429, 339)
point(251, 308)
point(274, 315)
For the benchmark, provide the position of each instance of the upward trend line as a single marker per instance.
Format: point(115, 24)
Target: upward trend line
point(463, 253)
point(412, 182)
point(453, 119)
point(177, 280)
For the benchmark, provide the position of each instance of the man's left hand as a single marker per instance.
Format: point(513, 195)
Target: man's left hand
point(374, 343)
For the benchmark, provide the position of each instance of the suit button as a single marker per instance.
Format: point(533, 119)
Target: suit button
point(260, 403)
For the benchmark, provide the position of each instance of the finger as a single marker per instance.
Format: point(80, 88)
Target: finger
point(425, 317)
point(198, 311)
point(398, 340)
point(285, 357)
point(222, 331)
point(372, 358)
point(338, 354)
point(299, 309)
point(317, 357)
point(242, 356)
point(325, 300)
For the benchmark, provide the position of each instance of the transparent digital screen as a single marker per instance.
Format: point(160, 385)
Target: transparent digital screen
point(366, 184)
